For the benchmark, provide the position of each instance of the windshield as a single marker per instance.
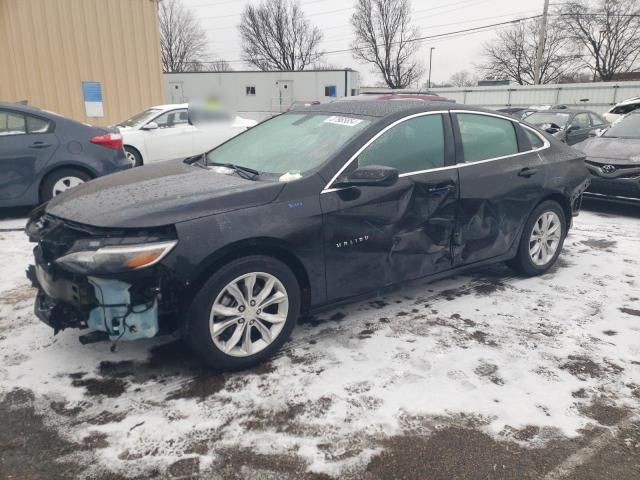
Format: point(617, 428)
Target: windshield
point(627, 127)
point(293, 142)
point(141, 118)
point(540, 118)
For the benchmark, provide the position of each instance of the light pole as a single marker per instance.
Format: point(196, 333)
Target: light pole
point(430, 58)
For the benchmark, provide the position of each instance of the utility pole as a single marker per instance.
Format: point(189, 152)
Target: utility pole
point(542, 35)
point(431, 58)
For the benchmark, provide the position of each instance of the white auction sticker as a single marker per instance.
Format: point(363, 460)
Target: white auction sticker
point(344, 121)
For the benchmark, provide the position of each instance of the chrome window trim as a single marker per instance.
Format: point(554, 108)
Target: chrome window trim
point(546, 144)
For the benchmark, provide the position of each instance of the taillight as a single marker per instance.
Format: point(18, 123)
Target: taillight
point(109, 140)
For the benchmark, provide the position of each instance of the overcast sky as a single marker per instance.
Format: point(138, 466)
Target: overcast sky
point(221, 17)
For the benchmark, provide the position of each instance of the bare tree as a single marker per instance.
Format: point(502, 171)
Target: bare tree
point(183, 42)
point(218, 66)
point(513, 54)
point(277, 36)
point(385, 37)
point(608, 33)
point(462, 79)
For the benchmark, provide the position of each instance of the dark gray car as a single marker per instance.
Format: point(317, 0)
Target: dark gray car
point(568, 125)
point(43, 154)
point(614, 160)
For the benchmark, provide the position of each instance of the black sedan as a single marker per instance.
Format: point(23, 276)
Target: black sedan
point(305, 210)
point(43, 154)
point(568, 125)
point(614, 160)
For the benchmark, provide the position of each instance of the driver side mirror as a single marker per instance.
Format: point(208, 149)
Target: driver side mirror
point(370, 176)
point(150, 126)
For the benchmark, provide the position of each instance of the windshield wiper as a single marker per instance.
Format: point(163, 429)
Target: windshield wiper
point(244, 172)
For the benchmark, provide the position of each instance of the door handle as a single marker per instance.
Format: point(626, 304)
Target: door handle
point(527, 172)
point(39, 145)
point(439, 190)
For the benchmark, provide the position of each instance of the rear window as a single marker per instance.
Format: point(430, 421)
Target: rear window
point(624, 109)
point(485, 137)
point(38, 125)
point(542, 118)
point(534, 139)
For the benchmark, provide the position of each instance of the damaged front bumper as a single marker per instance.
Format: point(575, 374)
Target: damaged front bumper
point(120, 306)
point(108, 308)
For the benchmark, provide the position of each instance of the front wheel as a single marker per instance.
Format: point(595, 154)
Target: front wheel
point(244, 312)
point(542, 239)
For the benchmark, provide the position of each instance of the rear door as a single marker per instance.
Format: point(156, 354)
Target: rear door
point(378, 236)
point(172, 139)
point(501, 179)
point(27, 143)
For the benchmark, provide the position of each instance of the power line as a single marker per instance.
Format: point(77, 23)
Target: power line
point(426, 37)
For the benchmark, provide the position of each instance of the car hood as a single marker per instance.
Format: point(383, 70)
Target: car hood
point(160, 194)
point(613, 150)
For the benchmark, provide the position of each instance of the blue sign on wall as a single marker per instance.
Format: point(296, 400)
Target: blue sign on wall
point(92, 95)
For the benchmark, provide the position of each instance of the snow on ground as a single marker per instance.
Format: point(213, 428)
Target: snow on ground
point(500, 353)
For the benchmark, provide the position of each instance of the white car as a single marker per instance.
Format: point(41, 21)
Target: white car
point(164, 132)
point(621, 109)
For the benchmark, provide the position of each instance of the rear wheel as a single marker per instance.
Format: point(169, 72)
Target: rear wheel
point(133, 156)
point(60, 181)
point(542, 239)
point(244, 312)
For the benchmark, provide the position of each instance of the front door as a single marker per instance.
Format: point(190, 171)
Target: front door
point(26, 145)
point(377, 236)
point(579, 129)
point(285, 94)
point(172, 139)
point(501, 180)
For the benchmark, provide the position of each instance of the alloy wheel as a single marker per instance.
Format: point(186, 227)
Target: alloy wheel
point(545, 238)
point(131, 157)
point(65, 183)
point(248, 314)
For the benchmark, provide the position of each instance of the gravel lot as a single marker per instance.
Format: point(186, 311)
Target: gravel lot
point(487, 375)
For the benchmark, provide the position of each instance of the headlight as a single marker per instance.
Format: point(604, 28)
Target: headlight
point(116, 259)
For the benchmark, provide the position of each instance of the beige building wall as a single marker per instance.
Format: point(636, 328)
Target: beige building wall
point(49, 47)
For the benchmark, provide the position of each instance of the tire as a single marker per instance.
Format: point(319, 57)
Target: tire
point(133, 156)
point(64, 177)
point(533, 261)
point(235, 318)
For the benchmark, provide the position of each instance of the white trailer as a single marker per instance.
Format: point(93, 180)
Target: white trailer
point(257, 94)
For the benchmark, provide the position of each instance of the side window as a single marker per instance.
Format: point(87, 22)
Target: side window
point(12, 124)
point(330, 91)
point(38, 125)
point(581, 120)
point(250, 91)
point(595, 120)
point(534, 139)
point(485, 137)
point(172, 119)
point(410, 146)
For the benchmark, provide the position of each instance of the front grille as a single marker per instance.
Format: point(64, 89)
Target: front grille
point(615, 188)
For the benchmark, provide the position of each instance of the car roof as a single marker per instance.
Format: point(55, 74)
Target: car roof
point(628, 101)
point(384, 108)
point(26, 108)
point(564, 110)
point(169, 106)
